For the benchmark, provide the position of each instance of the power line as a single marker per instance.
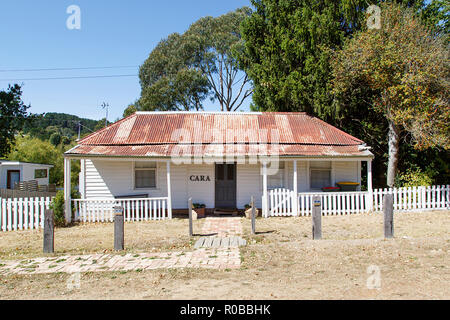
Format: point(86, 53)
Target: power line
point(69, 78)
point(71, 68)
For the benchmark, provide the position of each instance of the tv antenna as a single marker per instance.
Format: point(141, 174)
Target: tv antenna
point(105, 106)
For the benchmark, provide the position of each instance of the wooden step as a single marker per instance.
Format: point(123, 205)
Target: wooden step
point(225, 212)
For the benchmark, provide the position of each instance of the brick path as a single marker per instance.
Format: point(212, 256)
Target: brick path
point(222, 226)
point(217, 258)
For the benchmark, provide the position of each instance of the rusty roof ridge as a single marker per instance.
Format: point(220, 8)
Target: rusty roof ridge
point(218, 143)
point(199, 112)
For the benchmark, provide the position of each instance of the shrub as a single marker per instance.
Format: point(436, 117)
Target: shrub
point(416, 177)
point(198, 205)
point(57, 206)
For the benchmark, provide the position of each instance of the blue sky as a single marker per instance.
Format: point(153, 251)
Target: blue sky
point(113, 33)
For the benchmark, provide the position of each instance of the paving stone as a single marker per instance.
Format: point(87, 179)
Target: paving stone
point(234, 242)
point(200, 242)
point(216, 242)
point(242, 242)
point(225, 242)
point(208, 242)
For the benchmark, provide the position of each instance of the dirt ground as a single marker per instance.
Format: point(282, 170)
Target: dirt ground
point(280, 262)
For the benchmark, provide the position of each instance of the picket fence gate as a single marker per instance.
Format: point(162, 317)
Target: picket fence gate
point(23, 213)
point(281, 201)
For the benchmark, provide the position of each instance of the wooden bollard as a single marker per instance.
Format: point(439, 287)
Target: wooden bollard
point(252, 203)
point(191, 232)
point(49, 232)
point(388, 208)
point(317, 218)
point(119, 230)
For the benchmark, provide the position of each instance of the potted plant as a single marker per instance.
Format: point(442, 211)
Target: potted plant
point(248, 211)
point(200, 208)
point(348, 185)
point(331, 189)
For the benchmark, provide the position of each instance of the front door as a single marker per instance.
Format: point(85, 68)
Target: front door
point(225, 186)
point(13, 176)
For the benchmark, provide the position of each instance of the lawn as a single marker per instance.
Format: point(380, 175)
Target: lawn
point(280, 262)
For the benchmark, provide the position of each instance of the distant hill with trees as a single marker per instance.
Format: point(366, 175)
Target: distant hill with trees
point(59, 127)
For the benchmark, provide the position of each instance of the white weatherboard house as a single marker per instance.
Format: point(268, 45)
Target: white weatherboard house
point(15, 171)
point(151, 163)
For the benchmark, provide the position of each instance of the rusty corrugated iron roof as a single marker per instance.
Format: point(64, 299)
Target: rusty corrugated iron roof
point(158, 133)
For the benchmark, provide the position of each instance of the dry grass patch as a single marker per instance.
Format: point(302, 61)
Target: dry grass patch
point(163, 235)
point(431, 224)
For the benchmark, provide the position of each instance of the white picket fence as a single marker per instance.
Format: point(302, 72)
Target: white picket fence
point(333, 203)
point(135, 209)
point(23, 213)
point(414, 198)
point(281, 202)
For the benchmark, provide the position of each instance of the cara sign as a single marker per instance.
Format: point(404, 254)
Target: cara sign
point(199, 178)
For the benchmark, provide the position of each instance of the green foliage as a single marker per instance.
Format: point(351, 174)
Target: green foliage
point(101, 124)
point(167, 79)
point(216, 44)
point(398, 75)
point(35, 150)
point(288, 47)
point(436, 16)
point(416, 177)
point(404, 75)
point(132, 108)
point(55, 139)
point(43, 126)
point(13, 113)
point(285, 54)
point(30, 149)
point(57, 205)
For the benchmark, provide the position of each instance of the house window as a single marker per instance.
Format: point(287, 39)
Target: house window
point(144, 175)
point(276, 180)
point(320, 174)
point(40, 173)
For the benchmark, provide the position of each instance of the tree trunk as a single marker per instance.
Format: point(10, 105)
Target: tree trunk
point(393, 142)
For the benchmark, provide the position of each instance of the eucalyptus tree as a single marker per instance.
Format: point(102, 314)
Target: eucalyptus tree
point(216, 43)
point(185, 69)
point(168, 80)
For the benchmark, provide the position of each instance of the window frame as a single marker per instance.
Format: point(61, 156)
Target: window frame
point(145, 169)
point(282, 172)
point(46, 173)
point(311, 169)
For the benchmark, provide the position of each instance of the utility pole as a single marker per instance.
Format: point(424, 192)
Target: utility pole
point(105, 106)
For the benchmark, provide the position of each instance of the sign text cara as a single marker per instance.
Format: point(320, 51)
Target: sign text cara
point(199, 178)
